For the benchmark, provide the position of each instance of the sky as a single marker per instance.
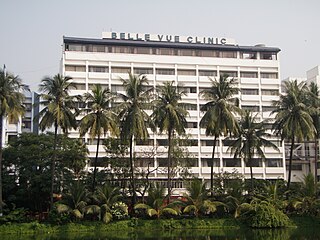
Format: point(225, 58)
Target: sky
point(32, 31)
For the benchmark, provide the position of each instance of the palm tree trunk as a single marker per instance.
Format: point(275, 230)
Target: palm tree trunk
point(1, 125)
point(213, 151)
point(95, 166)
point(53, 162)
point(290, 162)
point(251, 174)
point(316, 160)
point(169, 164)
point(133, 184)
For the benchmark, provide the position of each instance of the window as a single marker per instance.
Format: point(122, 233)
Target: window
point(120, 69)
point(207, 162)
point(268, 56)
point(26, 123)
point(12, 138)
point(229, 73)
point(80, 86)
point(98, 48)
point(208, 53)
point(274, 162)
point(248, 55)
point(189, 106)
point(228, 54)
point(116, 88)
point(227, 142)
point(186, 52)
point(143, 50)
point(192, 125)
point(165, 51)
point(165, 71)
point(248, 74)
point(80, 105)
point(208, 73)
point(272, 92)
point(231, 162)
point(269, 75)
point(144, 162)
point(246, 91)
point(295, 167)
point(98, 69)
point(163, 162)
point(190, 142)
point(193, 90)
point(28, 106)
point(187, 72)
point(268, 108)
point(208, 143)
point(250, 108)
point(75, 47)
point(143, 71)
point(255, 162)
point(75, 68)
point(146, 142)
point(162, 142)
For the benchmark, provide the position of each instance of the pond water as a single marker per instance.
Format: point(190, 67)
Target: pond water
point(247, 234)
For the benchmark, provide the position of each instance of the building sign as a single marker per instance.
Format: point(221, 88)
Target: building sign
point(168, 38)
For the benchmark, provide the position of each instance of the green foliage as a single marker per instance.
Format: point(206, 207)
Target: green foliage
point(119, 210)
point(261, 214)
point(18, 215)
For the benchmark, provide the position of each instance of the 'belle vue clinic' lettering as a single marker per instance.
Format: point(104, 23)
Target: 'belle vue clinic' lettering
point(167, 38)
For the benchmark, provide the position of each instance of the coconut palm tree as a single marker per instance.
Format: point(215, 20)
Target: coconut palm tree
point(314, 105)
point(134, 120)
point(59, 111)
point(11, 106)
point(219, 117)
point(99, 120)
point(250, 140)
point(293, 121)
point(169, 116)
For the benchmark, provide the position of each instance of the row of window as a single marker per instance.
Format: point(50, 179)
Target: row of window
point(205, 162)
point(169, 71)
point(249, 91)
point(169, 51)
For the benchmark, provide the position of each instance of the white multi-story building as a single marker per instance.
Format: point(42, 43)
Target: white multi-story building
point(304, 153)
point(26, 123)
point(190, 62)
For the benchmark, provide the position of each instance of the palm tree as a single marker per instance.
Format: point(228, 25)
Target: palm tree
point(219, 118)
point(250, 140)
point(134, 120)
point(59, 111)
point(314, 103)
point(293, 120)
point(99, 120)
point(11, 100)
point(155, 205)
point(170, 116)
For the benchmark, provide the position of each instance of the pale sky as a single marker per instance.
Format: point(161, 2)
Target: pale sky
point(32, 30)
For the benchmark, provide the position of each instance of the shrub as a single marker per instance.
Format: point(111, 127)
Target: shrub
point(119, 210)
point(262, 215)
point(17, 215)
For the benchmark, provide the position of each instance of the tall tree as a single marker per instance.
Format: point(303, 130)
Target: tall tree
point(293, 121)
point(11, 106)
point(99, 120)
point(59, 111)
point(314, 104)
point(134, 120)
point(250, 140)
point(219, 117)
point(170, 116)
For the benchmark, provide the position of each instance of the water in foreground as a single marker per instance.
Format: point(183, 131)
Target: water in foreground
point(247, 234)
